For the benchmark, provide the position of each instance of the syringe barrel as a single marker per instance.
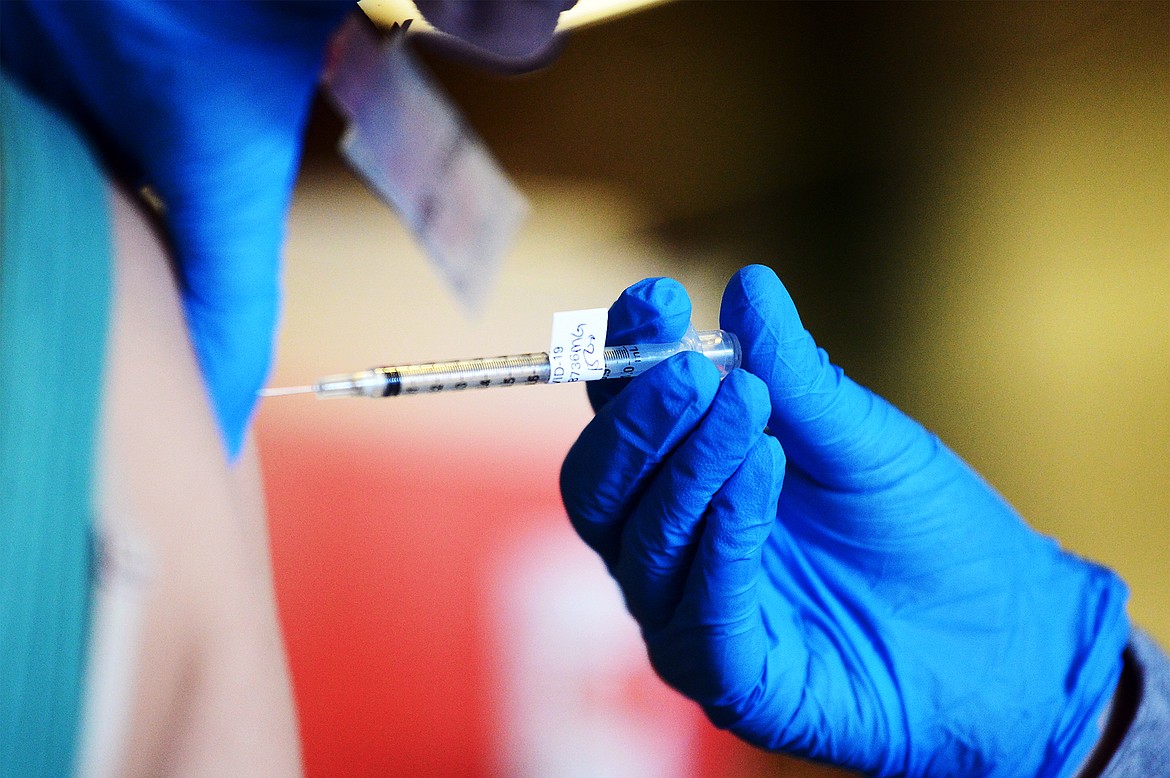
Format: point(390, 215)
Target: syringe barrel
point(721, 347)
point(434, 377)
point(456, 375)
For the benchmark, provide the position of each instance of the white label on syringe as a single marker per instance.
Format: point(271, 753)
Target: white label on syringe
point(577, 350)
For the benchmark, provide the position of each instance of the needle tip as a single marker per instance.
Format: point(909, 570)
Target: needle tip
point(278, 391)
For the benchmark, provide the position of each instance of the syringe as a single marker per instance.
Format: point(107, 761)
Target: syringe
point(720, 346)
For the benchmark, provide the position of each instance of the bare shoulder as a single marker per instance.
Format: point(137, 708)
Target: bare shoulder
point(205, 687)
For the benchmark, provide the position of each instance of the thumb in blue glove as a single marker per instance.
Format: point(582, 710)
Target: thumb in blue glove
point(884, 610)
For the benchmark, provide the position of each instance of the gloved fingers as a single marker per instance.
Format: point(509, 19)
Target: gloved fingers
point(840, 433)
point(715, 648)
point(655, 310)
point(721, 592)
point(658, 541)
point(621, 449)
point(227, 225)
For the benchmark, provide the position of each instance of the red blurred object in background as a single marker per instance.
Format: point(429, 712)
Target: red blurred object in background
point(442, 619)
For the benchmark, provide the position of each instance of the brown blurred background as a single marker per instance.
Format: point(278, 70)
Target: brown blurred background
point(970, 204)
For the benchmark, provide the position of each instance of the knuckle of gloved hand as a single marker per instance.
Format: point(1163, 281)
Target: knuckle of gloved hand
point(729, 431)
point(601, 392)
point(632, 435)
point(655, 308)
point(678, 391)
point(743, 511)
point(660, 408)
point(747, 398)
point(685, 380)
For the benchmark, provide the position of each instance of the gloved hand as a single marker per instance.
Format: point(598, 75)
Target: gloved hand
point(868, 601)
point(206, 103)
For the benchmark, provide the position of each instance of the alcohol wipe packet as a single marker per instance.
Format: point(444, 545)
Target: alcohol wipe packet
point(412, 146)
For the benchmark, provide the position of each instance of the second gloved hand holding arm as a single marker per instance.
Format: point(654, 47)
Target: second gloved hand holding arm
point(205, 103)
point(822, 574)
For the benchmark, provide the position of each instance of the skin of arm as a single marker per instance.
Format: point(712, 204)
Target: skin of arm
point(209, 686)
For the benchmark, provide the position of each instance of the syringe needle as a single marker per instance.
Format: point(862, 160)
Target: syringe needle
point(277, 391)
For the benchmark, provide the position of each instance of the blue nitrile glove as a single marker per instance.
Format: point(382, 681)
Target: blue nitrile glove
point(885, 610)
point(205, 102)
